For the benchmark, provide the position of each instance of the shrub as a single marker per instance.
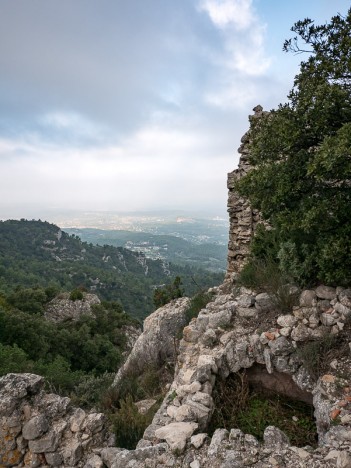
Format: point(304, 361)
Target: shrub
point(129, 425)
point(91, 390)
point(30, 300)
point(76, 295)
point(264, 275)
point(198, 302)
point(58, 375)
point(166, 294)
point(13, 359)
point(317, 355)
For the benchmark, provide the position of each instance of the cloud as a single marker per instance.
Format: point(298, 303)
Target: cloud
point(141, 106)
point(224, 13)
point(157, 167)
point(242, 60)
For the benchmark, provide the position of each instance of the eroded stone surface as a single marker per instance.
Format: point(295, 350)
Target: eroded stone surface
point(38, 432)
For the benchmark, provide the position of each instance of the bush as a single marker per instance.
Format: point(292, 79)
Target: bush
point(317, 355)
point(264, 275)
point(92, 390)
point(13, 359)
point(129, 425)
point(198, 302)
point(58, 374)
point(166, 294)
point(118, 402)
point(30, 300)
point(76, 295)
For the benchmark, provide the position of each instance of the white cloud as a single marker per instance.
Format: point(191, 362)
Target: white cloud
point(224, 13)
point(155, 168)
point(243, 60)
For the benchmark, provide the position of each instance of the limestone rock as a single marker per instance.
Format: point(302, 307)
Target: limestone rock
point(301, 333)
point(35, 427)
point(345, 298)
point(286, 320)
point(176, 434)
point(263, 301)
point(63, 308)
point(246, 300)
point(218, 437)
point(326, 292)
point(47, 443)
point(307, 298)
point(38, 430)
point(198, 440)
point(343, 460)
point(157, 339)
point(94, 462)
point(144, 405)
point(274, 437)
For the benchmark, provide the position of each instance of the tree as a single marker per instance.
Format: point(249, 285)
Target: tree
point(169, 292)
point(301, 158)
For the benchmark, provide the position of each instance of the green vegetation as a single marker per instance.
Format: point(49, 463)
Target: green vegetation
point(300, 155)
point(36, 253)
point(236, 406)
point(129, 425)
point(264, 275)
point(65, 353)
point(198, 302)
point(144, 382)
point(316, 356)
point(76, 295)
point(168, 292)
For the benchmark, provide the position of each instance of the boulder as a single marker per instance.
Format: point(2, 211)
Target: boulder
point(176, 434)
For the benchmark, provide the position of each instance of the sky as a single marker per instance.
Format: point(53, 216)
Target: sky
point(123, 105)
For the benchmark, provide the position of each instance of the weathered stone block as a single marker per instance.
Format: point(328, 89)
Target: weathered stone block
point(35, 427)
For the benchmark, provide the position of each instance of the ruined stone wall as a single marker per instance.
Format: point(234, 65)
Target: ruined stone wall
point(242, 218)
point(40, 429)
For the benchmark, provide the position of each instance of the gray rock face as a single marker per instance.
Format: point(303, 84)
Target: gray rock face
point(157, 339)
point(263, 302)
point(35, 427)
point(307, 298)
point(345, 298)
point(274, 437)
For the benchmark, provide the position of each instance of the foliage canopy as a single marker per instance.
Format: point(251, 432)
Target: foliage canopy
point(301, 158)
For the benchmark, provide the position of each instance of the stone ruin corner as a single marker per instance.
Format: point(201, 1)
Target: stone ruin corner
point(243, 220)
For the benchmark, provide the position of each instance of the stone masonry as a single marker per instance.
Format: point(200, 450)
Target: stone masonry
point(242, 218)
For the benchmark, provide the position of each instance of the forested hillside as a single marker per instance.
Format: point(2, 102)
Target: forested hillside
point(36, 253)
point(207, 255)
point(69, 353)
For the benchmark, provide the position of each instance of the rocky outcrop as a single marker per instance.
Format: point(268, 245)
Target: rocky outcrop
point(43, 429)
point(242, 218)
point(233, 333)
point(240, 330)
point(156, 344)
point(63, 308)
